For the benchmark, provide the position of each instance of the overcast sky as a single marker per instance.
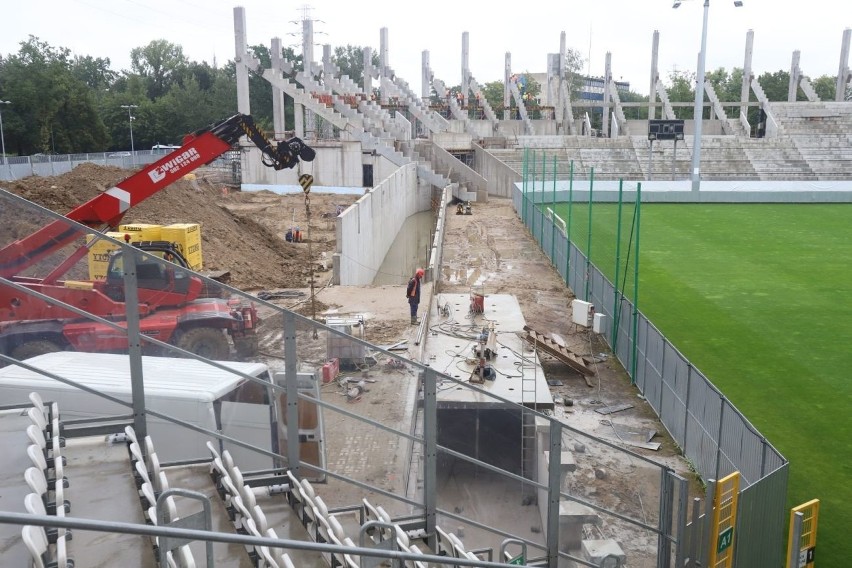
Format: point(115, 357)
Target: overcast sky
point(529, 31)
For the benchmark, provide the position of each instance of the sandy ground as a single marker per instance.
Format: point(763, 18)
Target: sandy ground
point(490, 250)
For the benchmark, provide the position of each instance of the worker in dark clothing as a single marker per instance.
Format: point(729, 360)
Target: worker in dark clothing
point(413, 293)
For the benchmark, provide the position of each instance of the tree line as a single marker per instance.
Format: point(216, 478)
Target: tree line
point(61, 103)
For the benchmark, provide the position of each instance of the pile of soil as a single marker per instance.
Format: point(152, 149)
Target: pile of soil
point(241, 232)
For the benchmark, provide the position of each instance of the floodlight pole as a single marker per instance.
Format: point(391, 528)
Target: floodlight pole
point(699, 104)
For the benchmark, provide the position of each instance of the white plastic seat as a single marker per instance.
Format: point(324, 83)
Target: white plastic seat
point(415, 563)
point(445, 545)
point(50, 412)
point(131, 434)
point(350, 561)
point(136, 453)
point(259, 518)
point(336, 527)
point(38, 484)
point(35, 506)
point(458, 546)
point(141, 473)
point(35, 539)
point(184, 557)
point(401, 538)
point(228, 461)
point(295, 497)
point(38, 418)
point(147, 491)
point(149, 448)
point(241, 513)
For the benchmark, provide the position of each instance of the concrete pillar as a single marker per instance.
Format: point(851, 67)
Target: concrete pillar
point(368, 71)
point(279, 122)
point(465, 75)
point(326, 61)
point(507, 74)
point(606, 98)
point(746, 89)
point(843, 71)
point(240, 57)
point(795, 76)
point(655, 75)
point(383, 57)
point(425, 77)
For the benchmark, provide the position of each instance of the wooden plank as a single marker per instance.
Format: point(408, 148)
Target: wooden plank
point(558, 351)
point(614, 408)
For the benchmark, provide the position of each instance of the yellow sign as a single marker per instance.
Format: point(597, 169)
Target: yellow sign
point(725, 520)
point(807, 542)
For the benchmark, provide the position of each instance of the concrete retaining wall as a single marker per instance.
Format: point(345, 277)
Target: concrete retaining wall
point(500, 177)
point(337, 164)
point(366, 230)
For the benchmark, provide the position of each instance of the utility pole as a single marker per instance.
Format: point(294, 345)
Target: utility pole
point(130, 118)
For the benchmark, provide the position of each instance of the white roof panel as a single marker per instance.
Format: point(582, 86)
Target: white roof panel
point(108, 373)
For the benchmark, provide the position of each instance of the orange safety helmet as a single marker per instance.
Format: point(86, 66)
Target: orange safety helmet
point(420, 273)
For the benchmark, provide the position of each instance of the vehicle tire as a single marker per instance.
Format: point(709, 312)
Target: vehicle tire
point(209, 342)
point(34, 348)
point(246, 346)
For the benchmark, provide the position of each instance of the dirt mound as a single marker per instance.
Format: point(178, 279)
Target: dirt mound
point(241, 232)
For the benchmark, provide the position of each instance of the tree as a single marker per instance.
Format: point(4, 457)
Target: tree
point(681, 89)
point(52, 109)
point(775, 85)
point(94, 72)
point(493, 93)
point(161, 63)
point(825, 87)
point(350, 61)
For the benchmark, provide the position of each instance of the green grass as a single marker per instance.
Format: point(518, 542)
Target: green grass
point(759, 298)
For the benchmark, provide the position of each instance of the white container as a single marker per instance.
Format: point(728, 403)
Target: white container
point(598, 323)
point(582, 312)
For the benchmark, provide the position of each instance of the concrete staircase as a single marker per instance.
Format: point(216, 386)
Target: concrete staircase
point(522, 110)
point(822, 134)
point(458, 113)
point(728, 126)
point(664, 156)
point(668, 111)
point(489, 112)
point(430, 119)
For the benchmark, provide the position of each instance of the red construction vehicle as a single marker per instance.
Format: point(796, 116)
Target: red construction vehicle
point(172, 307)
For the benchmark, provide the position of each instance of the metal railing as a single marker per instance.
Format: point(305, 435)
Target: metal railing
point(658, 523)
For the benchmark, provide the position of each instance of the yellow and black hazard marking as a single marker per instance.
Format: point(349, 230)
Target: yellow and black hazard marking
point(306, 180)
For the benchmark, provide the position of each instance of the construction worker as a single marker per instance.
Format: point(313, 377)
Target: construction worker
point(412, 292)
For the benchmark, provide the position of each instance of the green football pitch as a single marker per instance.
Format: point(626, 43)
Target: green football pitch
point(759, 298)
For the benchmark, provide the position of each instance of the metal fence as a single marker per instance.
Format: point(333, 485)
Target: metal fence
point(18, 167)
point(712, 434)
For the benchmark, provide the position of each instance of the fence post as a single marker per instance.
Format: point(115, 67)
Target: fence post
point(292, 382)
point(686, 407)
point(554, 478)
point(616, 305)
point(719, 436)
point(553, 221)
point(589, 235)
point(430, 468)
point(795, 539)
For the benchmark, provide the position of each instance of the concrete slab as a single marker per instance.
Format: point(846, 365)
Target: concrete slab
point(450, 345)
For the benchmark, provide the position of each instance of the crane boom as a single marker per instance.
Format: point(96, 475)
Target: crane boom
point(107, 209)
